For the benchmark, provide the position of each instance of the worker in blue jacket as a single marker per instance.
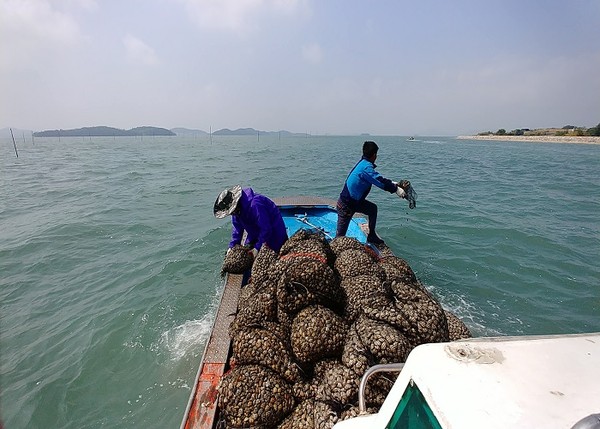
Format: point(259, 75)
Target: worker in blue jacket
point(357, 187)
point(254, 213)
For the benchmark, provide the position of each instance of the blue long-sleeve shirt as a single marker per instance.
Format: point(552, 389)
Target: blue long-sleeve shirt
point(359, 181)
point(261, 219)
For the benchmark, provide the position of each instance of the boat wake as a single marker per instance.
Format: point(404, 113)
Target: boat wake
point(189, 337)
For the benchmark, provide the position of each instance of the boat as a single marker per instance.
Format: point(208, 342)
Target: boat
point(498, 382)
point(311, 213)
point(544, 381)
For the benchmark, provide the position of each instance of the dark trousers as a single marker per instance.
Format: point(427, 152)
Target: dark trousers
point(345, 212)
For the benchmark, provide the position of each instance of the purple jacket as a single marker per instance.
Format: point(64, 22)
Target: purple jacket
point(261, 220)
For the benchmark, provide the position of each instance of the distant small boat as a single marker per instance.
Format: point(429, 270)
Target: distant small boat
point(410, 139)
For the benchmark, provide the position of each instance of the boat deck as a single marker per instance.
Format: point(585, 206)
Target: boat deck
point(201, 411)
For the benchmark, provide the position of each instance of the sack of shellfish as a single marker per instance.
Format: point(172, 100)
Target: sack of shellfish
point(397, 269)
point(260, 346)
point(310, 414)
point(384, 342)
point(457, 330)
point(342, 242)
point(354, 262)
point(308, 245)
point(254, 396)
point(378, 387)
point(336, 382)
point(317, 333)
point(262, 266)
point(360, 291)
point(307, 281)
point(355, 355)
point(258, 307)
point(424, 315)
point(238, 260)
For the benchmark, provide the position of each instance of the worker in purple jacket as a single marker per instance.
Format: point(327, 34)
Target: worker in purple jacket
point(253, 213)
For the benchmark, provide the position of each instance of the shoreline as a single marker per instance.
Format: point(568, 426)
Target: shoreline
point(537, 139)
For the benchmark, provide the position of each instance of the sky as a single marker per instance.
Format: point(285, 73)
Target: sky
point(340, 67)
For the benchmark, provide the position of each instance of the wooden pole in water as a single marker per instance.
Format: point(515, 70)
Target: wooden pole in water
point(14, 144)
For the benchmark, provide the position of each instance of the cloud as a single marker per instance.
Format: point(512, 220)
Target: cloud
point(30, 28)
point(83, 4)
point(236, 15)
point(138, 51)
point(312, 53)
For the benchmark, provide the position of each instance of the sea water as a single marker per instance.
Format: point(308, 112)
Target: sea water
point(110, 254)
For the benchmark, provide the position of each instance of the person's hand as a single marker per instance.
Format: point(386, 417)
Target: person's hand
point(254, 252)
point(228, 251)
point(400, 192)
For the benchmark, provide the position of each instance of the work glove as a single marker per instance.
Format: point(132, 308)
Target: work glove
point(399, 191)
point(228, 251)
point(254, 252)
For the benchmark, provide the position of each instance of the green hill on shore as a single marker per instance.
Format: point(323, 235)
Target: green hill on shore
point(102, 131)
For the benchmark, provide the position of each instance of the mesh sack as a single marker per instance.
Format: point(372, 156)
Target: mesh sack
point(310, 414)
point(341, 243)
point(411, 194)
point(253, 395)
point(378, 387)
point(457, 330)
point(354, 411)
point(260, 346)
point(355, 355)
point(305, 241)
point(424, 315)
point(256, 309)
point(237, 261)
point(336, 383)
point(384, 342)
point(317, 333)
point(306, 281)
point(354, 262)
point(396, 268)
point(359, 290)
point(261, 268)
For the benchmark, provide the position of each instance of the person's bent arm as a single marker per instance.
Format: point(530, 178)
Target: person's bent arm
point(237, 231)
point(378, 180)
point(263, 220)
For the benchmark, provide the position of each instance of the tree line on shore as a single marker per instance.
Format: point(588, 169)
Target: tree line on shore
point(567, 130)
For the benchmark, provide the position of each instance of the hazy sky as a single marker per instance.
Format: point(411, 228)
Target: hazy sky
point(330, 67)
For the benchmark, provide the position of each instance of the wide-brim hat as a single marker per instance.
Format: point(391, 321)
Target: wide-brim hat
point(227, 201)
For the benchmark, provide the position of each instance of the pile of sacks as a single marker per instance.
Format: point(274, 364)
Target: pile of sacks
point(312, 320)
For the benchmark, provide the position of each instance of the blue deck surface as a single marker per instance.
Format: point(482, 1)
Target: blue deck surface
point(319, 218)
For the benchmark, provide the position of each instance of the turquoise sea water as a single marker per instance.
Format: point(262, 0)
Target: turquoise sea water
point(110, 255)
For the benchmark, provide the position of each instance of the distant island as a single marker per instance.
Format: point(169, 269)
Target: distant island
point(253, 132)
point(105, 132)
point(236, 132)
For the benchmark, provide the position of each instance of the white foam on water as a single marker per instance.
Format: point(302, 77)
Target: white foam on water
point(189, 337)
